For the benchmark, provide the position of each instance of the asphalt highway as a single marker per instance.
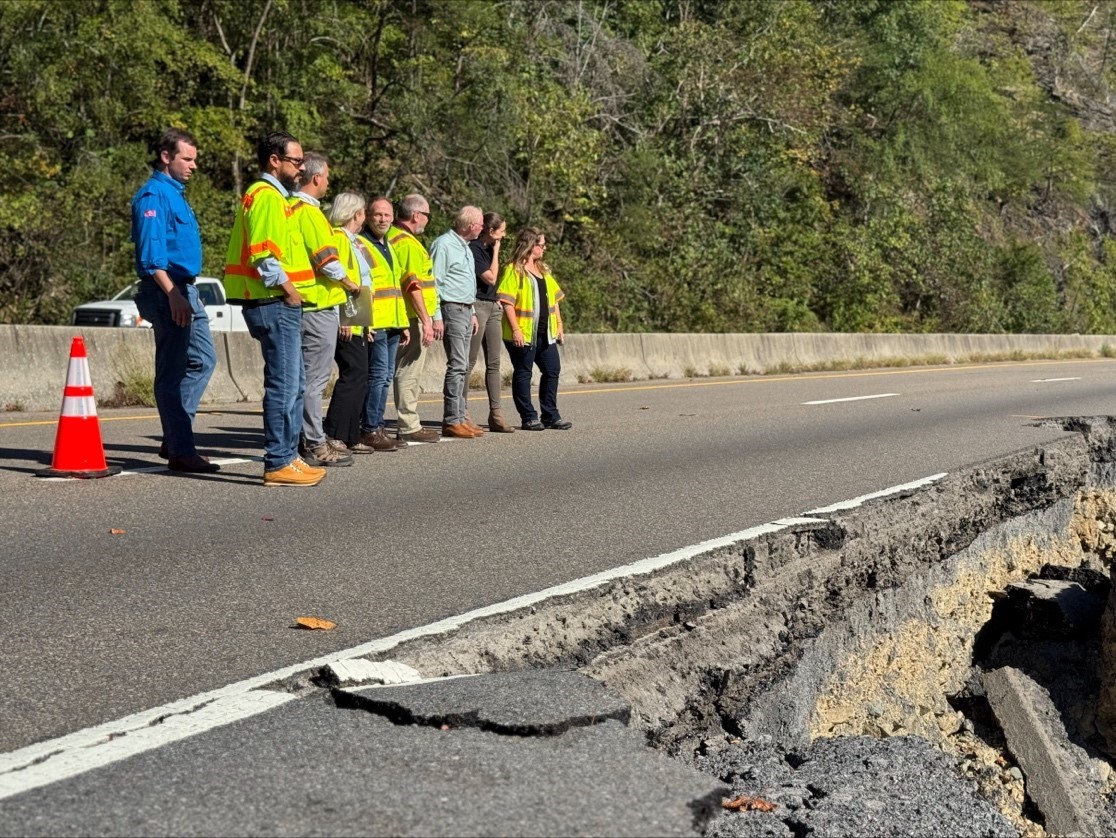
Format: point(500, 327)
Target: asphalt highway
point(202, 583)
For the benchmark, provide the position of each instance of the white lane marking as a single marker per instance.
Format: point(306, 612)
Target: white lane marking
point(75, 753)
point(230, 461)
point(854, 398)
point(111, 743)
point(894, 490)
point(1045, 380)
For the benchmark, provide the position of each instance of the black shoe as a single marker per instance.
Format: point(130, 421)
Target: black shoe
point(193, 464)
point(560, 425)
point(534, 426)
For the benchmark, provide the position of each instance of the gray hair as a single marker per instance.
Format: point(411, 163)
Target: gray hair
point(313, 162)
point(411, 204)
point(467, 217)
point(344, 208)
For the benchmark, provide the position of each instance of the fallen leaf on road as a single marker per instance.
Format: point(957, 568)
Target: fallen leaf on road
point(744, 803)
point(315, 623)
point(644, 407)
point(115, 531)
point(267, 518)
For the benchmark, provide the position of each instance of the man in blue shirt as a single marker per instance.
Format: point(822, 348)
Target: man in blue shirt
point(456, 281)
point(168, 260)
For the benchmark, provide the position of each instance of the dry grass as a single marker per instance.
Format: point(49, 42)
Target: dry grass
point(134, 384)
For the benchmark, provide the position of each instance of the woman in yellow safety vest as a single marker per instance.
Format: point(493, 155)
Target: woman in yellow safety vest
point(533, 330)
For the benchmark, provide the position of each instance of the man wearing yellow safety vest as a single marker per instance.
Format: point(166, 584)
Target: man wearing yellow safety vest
point(389, 325)
point(423, 315)
point(319, 321)
point(268, 272)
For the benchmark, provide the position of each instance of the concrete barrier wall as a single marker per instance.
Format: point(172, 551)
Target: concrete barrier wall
point(33, 370)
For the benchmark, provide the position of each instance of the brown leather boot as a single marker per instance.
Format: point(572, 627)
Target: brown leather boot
point(498, 424)
point(459, 431)
point(473, 426)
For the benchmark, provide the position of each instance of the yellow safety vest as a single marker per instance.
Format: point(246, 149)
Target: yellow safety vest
point(321, 249)
point(517, 288)
point(263, 228)
point(416, 270)
point(388, 308)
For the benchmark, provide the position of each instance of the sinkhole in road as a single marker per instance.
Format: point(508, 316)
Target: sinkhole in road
point(879, 621)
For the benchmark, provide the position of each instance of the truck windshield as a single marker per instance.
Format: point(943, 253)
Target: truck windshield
point(128, 293)
point(209, 295)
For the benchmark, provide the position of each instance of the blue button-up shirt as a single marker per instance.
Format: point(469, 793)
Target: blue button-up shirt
point(165, 230)
point(454, 274)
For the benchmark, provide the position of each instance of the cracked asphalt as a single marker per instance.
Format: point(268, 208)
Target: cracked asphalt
point(204, 583)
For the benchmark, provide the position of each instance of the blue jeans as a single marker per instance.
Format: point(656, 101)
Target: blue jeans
point(184, 362)
point(381, 370)
point(278, 328)
point(523, 359)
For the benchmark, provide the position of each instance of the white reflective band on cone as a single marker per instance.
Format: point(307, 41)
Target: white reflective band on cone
point(78, 373)
point(83, 407)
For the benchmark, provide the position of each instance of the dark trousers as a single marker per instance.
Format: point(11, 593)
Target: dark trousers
point(342, 421)
point(524, 359)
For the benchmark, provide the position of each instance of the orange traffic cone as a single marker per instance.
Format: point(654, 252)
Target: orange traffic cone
point(78, 450)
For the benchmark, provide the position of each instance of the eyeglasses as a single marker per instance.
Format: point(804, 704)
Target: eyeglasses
point(295, 160)
point(541, 244)
point(422, 212)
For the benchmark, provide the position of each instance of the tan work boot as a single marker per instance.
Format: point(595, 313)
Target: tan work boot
point(305, 466)
point(498, 424)
point(295, 473)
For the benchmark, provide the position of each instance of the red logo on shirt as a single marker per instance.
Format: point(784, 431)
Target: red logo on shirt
point(149, 214)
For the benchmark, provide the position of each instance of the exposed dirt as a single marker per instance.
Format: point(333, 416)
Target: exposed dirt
point(858, 622)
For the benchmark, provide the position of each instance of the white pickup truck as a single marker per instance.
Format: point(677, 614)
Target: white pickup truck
point(121, 310)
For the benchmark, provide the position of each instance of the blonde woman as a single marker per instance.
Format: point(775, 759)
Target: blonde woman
point(342, 421)
point(533, 330)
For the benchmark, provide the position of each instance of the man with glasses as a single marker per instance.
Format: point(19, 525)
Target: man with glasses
point(456, 282)
point(423, 313)
point(268, 272)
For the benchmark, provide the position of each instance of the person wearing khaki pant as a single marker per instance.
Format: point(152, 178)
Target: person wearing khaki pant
point(425, 318)
point(489, 334)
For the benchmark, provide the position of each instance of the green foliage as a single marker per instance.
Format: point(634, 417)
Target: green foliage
point(698, 165)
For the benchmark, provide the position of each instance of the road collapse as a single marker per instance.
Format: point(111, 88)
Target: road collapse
point(867, 669)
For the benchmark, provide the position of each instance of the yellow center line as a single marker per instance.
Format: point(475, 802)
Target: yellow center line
point(99, 419)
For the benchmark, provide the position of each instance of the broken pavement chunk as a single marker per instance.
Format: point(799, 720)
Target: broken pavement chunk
point(531, 703)
point(1060, 779)
point(356, 671)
